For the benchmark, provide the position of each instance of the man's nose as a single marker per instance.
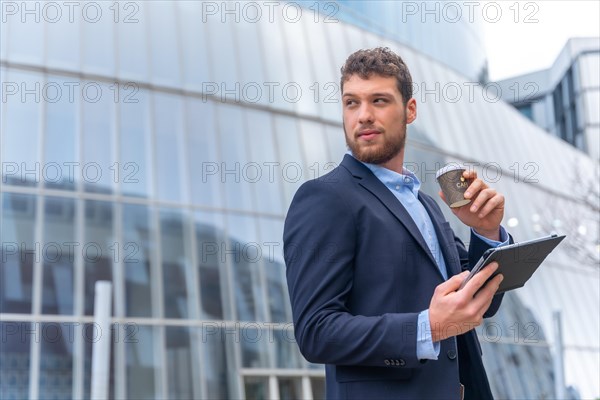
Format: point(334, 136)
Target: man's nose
point(365, 115)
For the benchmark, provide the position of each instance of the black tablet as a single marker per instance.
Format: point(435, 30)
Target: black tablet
point(517, 262)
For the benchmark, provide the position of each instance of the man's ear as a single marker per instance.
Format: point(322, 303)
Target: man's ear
point(411, 110)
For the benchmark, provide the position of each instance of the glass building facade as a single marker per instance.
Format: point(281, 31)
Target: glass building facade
point(157, 145)
point(564, 99)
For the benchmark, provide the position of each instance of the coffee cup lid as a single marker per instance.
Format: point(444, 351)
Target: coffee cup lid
point(447, 168)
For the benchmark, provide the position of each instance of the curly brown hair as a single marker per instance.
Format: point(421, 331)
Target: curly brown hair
point(379, 61)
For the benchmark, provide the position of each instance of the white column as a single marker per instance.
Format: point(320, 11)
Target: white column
point(101, 348)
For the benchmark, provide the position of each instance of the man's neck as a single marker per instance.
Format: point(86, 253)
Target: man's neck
point(396, 163)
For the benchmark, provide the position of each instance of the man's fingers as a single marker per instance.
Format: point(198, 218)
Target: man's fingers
point(484, 297)
point(452, 284)
point(480, 278)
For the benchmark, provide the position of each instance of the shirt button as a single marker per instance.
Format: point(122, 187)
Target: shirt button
point(451, 354)
point(397, 187)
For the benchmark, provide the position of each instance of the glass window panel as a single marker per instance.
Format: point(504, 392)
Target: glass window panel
point(14, 363)
point(218, 347)
point(18, 252)
point(168, 127)
point(90, 335)
point(210, 246)
point(135, 162)
point(318, 388)
point(592, 105)
point(180, 375)
point(3, 41)
point(235, 172)
point(194, 57)
point(290, 388)
point(98, 164)
point(245, 253)
point(98, 50)
point(58, 252)
point(21, 119)
point(254, 346)
point(63, 39)
point(315, 149)
point(264, 173)
point(176, 279)
point(252, 77)
point(299, 91)
point(256, 388)
point(203, 157)
point(336, 143)
point(56, 360)
point(26, 33)
point(142, 365)
point(164, 50)
point(271, 231)
point(60, 134)
point(590, 65)
point(292, 165)
point(276, 70)
point(355, 37)
point(98, 249)
point(132, 45)
point(286, 349)
point(138, 245)
point(222, 53)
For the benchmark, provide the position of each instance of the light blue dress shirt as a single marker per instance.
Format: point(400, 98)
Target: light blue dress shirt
point(405, 187)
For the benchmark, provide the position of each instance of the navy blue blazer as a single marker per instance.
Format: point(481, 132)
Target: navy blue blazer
point(359, 272)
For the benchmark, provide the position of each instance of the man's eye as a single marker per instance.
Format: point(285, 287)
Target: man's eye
point(380, 100)
point(350, 102)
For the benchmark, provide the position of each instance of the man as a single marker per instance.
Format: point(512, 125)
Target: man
point(373, 268)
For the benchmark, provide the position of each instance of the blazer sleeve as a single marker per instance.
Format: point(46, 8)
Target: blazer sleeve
point(320, 236)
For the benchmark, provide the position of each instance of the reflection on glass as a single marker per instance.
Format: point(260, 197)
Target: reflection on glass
point(290, 157)
point(63, 40)
point(14, 362)
point(59, 252)
point(25, 35)
point(98, 248)
point(164, 52)
point(141, 365)
point(236, 172)
point(98, 51)
point(246, 254)
point(203, 157)
point(286, 350)
point(210, 242)
point(175, 264)
point(264, 172)
point(137, 248)
point(254, 346)
point(195, 58)
point(168, 128)
point(290, 388)
point(19, 150)
point(56, 360)
point(256, 388)
point(59, 141)
point(179, 363)
point(135, 162)
point(98, 168)
point(17, 252)
point(218, 348)
point(132, 46)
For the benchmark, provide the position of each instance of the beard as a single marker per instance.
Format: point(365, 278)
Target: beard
point(386, 148)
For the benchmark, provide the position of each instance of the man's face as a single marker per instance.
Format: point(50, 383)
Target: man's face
point(375, 118)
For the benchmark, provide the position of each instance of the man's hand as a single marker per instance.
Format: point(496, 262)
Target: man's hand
point(486, 210)
point(453, 312)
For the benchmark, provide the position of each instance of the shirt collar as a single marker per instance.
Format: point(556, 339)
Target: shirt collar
point(392, 179)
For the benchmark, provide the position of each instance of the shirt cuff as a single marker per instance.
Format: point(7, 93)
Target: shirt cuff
point(426, 349)
point(504, 239)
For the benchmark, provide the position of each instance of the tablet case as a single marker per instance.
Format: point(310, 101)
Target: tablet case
point(517, 262)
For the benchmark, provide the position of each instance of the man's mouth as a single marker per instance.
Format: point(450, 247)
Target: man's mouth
point(368, 134)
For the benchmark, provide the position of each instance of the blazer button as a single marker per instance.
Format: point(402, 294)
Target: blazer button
point(387, 362)
point(402, 363)
point(451, 354)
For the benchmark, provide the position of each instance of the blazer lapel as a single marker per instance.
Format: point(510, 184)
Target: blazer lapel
point(374, 185)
